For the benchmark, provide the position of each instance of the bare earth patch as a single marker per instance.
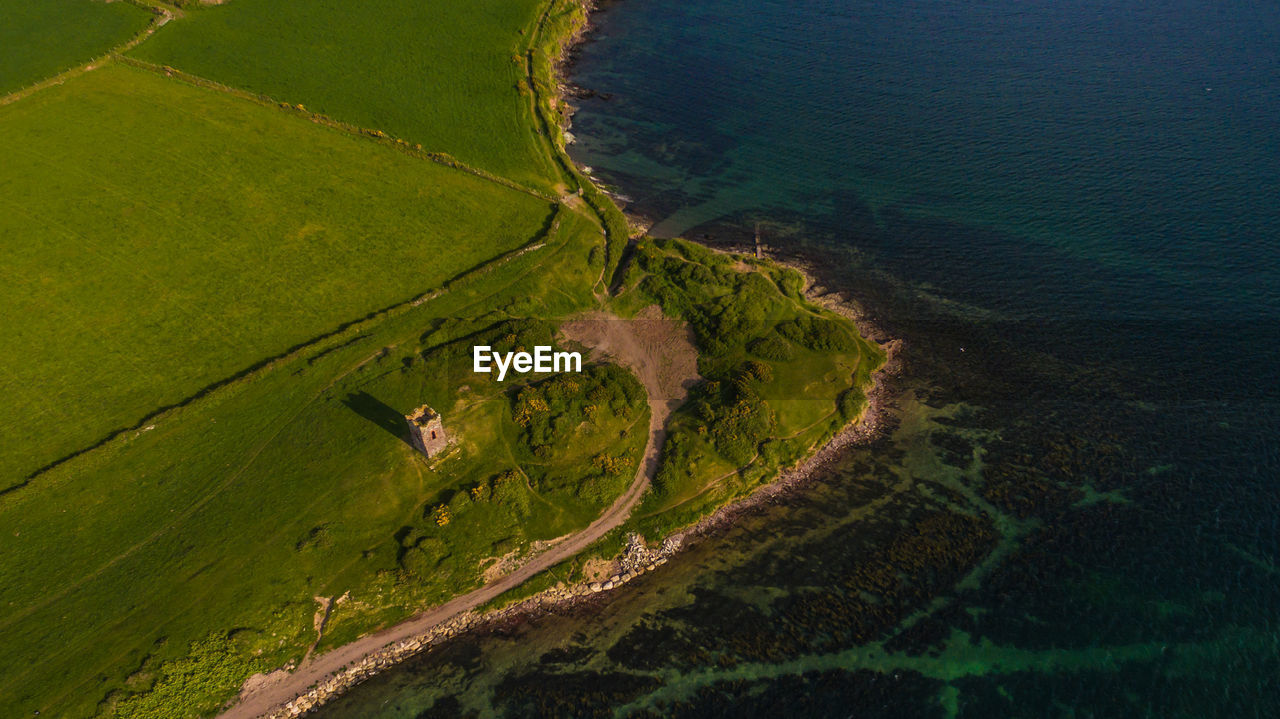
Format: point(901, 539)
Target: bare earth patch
point(258, 682)
point(659, 350)
point(501, 565)
point(597, 569)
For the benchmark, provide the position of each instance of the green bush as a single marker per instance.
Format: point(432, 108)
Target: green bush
point(732, 414)
point(850, 403)
point(771, 347)
point(819, 334)
point(790, 282)
point(549, 411)
point(198, 682)
point(510, 491)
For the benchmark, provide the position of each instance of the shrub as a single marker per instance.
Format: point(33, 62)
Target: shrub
point(441, 515)
point(771, 347)
point(551, 410)
point(790, 282)
point(754, 371)
point(850, 403)
point(509, 490)
point(198, 682)
point(818, 333)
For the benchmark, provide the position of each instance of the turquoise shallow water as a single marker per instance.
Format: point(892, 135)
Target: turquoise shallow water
point(1069, 211)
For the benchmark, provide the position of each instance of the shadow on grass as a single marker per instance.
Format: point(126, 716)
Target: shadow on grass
point(378, 412)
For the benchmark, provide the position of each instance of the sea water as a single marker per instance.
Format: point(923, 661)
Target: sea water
point(1070, 213)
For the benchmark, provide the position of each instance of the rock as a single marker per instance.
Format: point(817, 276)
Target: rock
point(594, 587)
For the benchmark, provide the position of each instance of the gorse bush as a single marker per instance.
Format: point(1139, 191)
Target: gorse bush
point(772, 347)
point(549, 412)
point(197, 682)
point(510, 489)
point(725, 308)
point(819, 333)
point(731, 414)
point(850, 403)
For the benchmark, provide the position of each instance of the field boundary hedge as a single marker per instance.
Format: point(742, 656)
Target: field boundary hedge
point(548, 47)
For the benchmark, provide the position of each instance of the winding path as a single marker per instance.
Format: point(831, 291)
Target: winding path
point(661, 354)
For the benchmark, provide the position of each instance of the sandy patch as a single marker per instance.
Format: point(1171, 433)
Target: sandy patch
point(500, 565)
point(659, 350)
point(597, 569)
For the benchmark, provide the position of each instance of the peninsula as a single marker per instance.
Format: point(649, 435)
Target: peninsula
point(309, 217)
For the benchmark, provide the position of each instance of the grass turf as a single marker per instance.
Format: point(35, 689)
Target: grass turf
point(448, 75)
point(160, 237)
point(39, 39)
point(219, 525)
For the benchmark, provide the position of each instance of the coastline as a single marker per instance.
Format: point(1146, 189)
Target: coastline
point(637, 558)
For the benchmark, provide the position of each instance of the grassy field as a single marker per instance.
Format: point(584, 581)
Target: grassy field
point(160, 237)
point(221, 524)
point(273, 293)
point(448, 75)
point(40, 38)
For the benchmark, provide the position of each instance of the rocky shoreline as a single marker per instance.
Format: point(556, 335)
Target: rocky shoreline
point(637, 557)
point(632, 566)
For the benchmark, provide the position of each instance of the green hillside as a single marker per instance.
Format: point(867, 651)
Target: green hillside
point(293, 482)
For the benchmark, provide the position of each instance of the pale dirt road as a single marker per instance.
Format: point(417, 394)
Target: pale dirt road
point(662, 355)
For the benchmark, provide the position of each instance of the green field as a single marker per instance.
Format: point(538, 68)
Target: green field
point(40, 38)
point(161, 237)
point(450, 76)
point(219, 306)
point(239, 508)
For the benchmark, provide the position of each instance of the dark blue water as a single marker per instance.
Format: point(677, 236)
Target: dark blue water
point(1070, 212)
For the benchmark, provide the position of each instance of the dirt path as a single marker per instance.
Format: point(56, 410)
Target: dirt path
point(662, 355)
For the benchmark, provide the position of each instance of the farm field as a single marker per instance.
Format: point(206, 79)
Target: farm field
point(161, 237)
point(41, 39)
point(449, 76)
point(238, 509)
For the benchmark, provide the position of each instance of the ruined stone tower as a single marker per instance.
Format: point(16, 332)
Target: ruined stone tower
point(426, 431)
